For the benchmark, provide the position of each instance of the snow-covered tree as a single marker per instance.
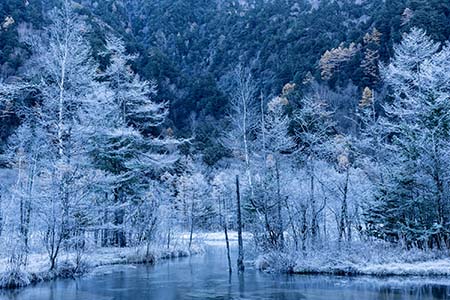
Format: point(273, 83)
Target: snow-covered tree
point(64, 76)
point(313, 127)
point(275, 143)
point(243, 122)
point(192, 198)
point(132, 95)
point(125, 147)
point(416, 193)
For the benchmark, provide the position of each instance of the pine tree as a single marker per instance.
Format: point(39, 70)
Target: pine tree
point(418, 124)
point(332, 59)
point(371, 58)
point(126, 146)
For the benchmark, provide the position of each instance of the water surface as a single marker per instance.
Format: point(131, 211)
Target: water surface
point(206, 277)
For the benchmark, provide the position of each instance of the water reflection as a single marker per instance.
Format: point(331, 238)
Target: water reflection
point(206, 277)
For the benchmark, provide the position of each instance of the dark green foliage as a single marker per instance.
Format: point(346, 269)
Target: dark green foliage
point(408, 220)
point(187, 46)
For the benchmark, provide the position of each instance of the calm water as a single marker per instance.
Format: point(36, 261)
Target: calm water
point(206, 277)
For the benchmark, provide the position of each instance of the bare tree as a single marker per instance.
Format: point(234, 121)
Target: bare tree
point(313, 127)
point(243, 122)
point(64, 74)
point(240, 260)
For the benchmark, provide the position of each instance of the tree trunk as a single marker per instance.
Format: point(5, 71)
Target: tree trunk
point(168, 238)
point(53, 242)
point(225, 228)
point(240, 260)
point(223, 211)
point(313, 206)
point(325, 233)
point(119, 234)
point(292, 224)
point(343, 222)
point(279, 213)
point(104, 231)
point(442, 237)
point(191, 231)
point(27, 211)
point(348, 222)
point(437, 177)
point(304, 226)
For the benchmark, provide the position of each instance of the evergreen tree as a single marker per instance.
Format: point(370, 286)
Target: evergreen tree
point(418, 125)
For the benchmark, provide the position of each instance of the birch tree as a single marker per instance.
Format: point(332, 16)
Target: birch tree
point(243, 123)
point(64, 74)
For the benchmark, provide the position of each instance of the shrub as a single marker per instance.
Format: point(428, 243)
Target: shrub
point(14, 278)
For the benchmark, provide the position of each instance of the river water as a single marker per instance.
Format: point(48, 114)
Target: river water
point(206, 277)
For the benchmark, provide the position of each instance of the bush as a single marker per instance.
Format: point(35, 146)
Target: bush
point(15, 278)
point(378, 258)
point(275, 262)
point(69, 269)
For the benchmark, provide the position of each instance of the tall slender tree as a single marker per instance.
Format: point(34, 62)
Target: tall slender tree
point(64, 76)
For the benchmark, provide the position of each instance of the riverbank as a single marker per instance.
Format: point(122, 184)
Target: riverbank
point(374, 260)
point(38, 268)
point(206, 276)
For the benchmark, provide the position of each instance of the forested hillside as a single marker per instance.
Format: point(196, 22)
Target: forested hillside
point(125, 121)
point(190, 47)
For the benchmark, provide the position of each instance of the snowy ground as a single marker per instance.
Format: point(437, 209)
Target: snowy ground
point(38, 267)
point(427, 268)
point(218, 238)
point(379, 260)
point(105, 256)
point(439, 267)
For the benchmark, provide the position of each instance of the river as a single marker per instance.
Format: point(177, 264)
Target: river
point(206, 277)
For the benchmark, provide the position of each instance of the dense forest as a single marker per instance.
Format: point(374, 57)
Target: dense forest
point(125, 122)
